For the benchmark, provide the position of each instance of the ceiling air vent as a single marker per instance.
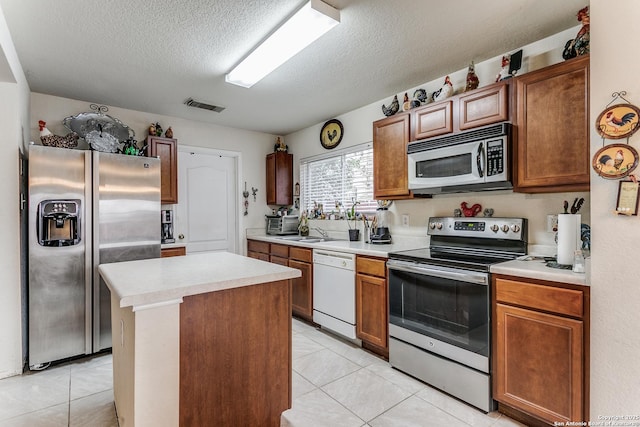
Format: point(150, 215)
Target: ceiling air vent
point(197, 104)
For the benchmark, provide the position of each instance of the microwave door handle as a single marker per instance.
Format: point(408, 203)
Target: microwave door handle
point(480, 160)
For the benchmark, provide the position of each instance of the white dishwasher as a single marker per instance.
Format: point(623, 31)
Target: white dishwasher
point(334, 291)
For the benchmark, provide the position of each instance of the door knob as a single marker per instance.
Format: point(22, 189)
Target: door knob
point(180, 236)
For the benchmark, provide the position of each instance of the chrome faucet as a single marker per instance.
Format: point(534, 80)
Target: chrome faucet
point(321, 231)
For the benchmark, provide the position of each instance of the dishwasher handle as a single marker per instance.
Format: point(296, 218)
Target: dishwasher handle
point(334, 259)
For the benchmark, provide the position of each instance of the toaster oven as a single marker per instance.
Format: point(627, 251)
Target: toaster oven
point(278, 225)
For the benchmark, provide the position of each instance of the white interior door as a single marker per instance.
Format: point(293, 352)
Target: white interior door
point(206, 215)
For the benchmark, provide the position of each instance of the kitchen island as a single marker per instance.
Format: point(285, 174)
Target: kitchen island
point(203, 339)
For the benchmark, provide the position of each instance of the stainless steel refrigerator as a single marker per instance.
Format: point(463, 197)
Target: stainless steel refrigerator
point(85, 208)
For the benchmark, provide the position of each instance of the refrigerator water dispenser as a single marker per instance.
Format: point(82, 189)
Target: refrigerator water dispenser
point(59, 222)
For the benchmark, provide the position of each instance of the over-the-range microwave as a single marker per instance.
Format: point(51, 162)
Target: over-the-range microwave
point(474, 160)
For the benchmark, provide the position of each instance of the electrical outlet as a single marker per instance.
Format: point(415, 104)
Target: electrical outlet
point(552, 223)
point(405, 220)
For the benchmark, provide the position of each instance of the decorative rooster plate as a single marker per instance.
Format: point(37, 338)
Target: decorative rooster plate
point(615, 161)
point(618, 121)
point(331, 134)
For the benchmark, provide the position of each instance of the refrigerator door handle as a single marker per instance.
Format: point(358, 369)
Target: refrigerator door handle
point(87, 234)
point(95, 247)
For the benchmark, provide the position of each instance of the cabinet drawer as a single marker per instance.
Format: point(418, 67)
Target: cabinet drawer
point(256, 246)
point(300, 254)
point(280, 250)
point(279, 260)
point(568, 302)
point(371, 266)
point(258, 255)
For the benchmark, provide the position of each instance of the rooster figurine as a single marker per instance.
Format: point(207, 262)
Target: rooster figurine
point(47, 138)
point(579, 45)
point(470, 211)
point(391, 109)
point(445, 91)
point(472, 79)
point(504, 71)
point(406, 104)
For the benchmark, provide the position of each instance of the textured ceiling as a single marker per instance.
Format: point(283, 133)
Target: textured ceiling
point(152, 56)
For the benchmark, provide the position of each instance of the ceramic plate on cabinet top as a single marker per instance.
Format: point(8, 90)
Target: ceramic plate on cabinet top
point(85, 123)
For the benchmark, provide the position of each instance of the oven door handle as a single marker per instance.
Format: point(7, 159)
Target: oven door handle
point(463, 276)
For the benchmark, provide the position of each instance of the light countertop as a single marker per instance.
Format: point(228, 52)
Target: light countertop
point(358, 247)
point(158, 280)
point(536, 269)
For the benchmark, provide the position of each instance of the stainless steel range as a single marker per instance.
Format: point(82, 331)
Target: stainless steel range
point(439, 303)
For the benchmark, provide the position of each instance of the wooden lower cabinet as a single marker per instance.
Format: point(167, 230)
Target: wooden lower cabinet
point(371, 304)
point(540, 350)
point(294, 257)
point(169, 252)
point(302, 287)
point(235, 365)
point(258, 250)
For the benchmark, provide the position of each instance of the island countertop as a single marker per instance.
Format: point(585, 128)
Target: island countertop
point(159, 280)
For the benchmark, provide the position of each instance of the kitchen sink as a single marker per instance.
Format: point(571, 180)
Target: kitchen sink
point(309, 239)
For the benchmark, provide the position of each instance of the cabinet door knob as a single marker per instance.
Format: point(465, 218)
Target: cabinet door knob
point(180, 236)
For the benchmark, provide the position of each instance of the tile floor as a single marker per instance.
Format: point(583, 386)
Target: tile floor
point(335, 384)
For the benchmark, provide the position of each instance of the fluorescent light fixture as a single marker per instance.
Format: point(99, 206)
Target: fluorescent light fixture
point(307, 25)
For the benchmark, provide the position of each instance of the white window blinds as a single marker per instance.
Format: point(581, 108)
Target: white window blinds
point(338, 179)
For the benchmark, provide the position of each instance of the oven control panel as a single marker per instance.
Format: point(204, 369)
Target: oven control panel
point(486, 227)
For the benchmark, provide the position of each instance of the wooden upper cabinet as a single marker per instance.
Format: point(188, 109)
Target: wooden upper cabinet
point(552, 145)
point(484, 106)
point(280, 178)
point(390, 173)
point(479, 107)
point(167, 150)
point(432, 120)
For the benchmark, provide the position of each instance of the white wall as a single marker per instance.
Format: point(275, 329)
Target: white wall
point(358, 129)
point(14, 107)
point(615, 270)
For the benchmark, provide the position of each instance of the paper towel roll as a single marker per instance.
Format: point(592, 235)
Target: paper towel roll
point(568, 237)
